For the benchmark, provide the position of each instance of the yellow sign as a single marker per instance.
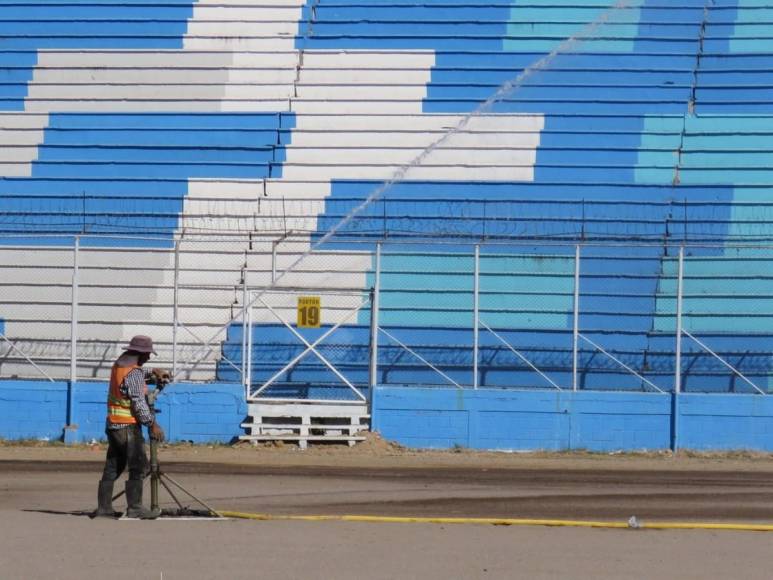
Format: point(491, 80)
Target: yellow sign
point(309, 312)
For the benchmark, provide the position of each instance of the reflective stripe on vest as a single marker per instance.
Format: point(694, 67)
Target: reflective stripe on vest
point(119, 407)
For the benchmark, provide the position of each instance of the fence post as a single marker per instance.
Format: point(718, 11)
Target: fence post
point(74, 311)
point(678, 356)
point(679, 294)
point(274, 244)
point(249, 349)
point(374, 308)
point(71, 428)
point(176, 306)
point(245, 330)
point(475, 317)
point(576, 315)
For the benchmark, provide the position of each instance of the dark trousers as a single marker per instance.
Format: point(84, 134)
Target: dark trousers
point(126, 446)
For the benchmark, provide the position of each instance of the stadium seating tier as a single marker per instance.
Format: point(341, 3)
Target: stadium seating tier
point(630, 128)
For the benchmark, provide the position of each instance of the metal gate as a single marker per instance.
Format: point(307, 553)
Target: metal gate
point(307, 344)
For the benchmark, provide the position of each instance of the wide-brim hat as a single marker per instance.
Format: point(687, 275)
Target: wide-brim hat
point(141, 343)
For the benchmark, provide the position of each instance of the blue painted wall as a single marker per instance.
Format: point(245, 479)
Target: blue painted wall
point(722, 421)
point(428, 418)
point(198, 413)
point(553, 420)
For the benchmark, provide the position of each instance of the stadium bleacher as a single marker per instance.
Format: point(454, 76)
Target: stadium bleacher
point(649, 130)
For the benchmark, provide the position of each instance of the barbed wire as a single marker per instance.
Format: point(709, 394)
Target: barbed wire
point(588, 220)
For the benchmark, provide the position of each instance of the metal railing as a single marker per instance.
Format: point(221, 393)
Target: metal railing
point(560, 316)
point(605, 352)
point(69, 304)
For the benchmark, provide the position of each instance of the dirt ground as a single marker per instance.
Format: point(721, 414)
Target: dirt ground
point(44, 489)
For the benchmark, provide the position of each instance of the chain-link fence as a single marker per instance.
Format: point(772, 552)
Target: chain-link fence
point(589, 316)
point(593, 317)
point(71, 304)
point(561, 317)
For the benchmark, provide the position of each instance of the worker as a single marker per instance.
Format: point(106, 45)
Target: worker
point(127, 411)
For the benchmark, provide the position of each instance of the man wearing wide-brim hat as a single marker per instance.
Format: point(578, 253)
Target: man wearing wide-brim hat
point(127, 412)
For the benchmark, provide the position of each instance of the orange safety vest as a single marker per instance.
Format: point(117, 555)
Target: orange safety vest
point(119, 406)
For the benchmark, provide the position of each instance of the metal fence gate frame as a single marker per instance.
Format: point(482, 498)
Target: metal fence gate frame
point(257, 300)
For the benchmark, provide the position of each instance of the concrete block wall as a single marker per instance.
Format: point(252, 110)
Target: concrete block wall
point(30, 409)
point(553, 420)
point(427, 417)
point(613, 421)
point(201, 413)
point(720, 421)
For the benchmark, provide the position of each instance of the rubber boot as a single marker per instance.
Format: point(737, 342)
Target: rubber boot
point(105, 501)
point(134, 502)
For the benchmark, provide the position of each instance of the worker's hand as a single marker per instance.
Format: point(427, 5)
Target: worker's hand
point(161, 376)
point(156, 432)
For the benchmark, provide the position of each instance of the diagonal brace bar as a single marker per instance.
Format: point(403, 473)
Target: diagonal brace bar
point(198, 339)
point(621, 363)
point(29, 360)
point(422, 359)
point(519, 355)
point(724, 362)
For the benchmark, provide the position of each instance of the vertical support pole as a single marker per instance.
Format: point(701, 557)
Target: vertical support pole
point(678, 356)
point(274, 245)
point(475, 317)
point(679, 294)
point(74, 311)
point(245, 384)
point(372, 373)
point(69, 432)
point(374, 309)
point(249, 349)
point(576, 315)
point(176, 307)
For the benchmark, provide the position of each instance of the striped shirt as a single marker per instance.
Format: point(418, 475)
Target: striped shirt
point(134, 387)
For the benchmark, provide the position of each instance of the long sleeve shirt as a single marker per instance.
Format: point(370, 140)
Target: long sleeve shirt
point(133, 387)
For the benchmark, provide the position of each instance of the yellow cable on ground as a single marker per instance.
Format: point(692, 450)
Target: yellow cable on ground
point(507, 522)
